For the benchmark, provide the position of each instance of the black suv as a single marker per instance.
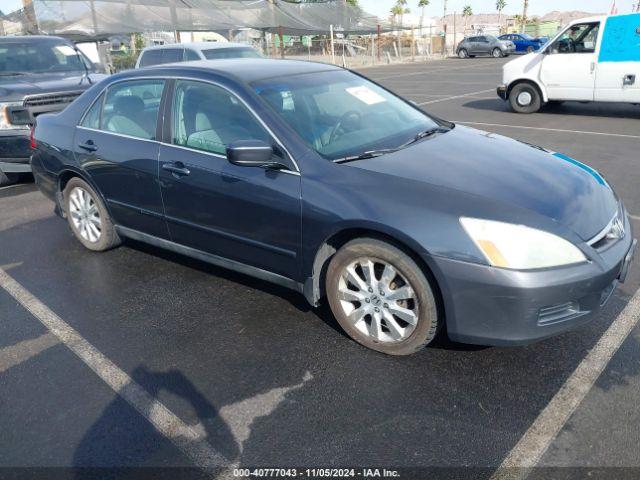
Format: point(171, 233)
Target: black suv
point(37, 75)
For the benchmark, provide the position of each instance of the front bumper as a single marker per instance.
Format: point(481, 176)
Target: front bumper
point(15, 151)
point(502, 92)
point(492, 306)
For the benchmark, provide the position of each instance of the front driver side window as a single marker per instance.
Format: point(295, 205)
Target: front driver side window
point(131, 108)
point(580, 38)
point(208, 118)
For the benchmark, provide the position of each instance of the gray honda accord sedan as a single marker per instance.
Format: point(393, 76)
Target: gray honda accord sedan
point(315, 178)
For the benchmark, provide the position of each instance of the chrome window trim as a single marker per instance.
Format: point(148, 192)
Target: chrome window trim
point(175, 77)
point(118, 134)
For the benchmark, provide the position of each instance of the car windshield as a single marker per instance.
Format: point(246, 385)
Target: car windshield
point(223, 53)
point(526, 36)
point(490, 38)
point(340, 114)
point(39, 57)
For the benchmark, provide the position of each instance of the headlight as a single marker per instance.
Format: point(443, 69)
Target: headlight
point(518, 247)
point(5, 124)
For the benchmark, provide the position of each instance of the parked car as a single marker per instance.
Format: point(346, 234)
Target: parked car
point(185, 52)
point(314, 178)
point(470, 47)
point(523, 42)
point(37, 75)
point(585, 62)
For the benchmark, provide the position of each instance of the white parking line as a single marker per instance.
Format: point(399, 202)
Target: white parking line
point(635, 217)
point(537, 439)
point(23, 351)
point(558, 130)
point(456, 96)
point(189, 439)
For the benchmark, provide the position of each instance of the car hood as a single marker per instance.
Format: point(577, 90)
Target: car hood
point(507, 171)
point(17, 87)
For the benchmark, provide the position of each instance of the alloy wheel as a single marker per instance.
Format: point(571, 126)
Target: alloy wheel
point(85, 215)
point(378, 300)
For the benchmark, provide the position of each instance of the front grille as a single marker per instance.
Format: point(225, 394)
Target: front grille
point(55, 100)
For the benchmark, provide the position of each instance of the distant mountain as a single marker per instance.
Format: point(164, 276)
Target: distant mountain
point(492, 18)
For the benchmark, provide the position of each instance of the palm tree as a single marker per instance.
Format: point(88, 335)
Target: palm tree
point(518, 20)
point(402, 4)
point(422, 4)
point(525, 7)
point(466, 13)
point(500, 5)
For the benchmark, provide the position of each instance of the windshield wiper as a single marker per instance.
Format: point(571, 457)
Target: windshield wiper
point(424, 134)
point(366, 155)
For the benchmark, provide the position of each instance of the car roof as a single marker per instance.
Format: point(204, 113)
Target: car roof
point(32, 38)
point(244, 69)
point(199, 45)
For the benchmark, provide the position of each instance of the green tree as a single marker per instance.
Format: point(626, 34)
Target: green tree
point(500, 6)
point(525, 8)
point(466, 13)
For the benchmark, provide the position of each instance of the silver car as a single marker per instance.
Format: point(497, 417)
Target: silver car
point(485, 45)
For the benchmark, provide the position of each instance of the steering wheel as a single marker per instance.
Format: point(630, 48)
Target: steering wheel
point(349, 121)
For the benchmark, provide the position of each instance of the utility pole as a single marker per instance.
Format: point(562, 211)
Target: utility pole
point(31, 23)
point(525, 8)
point(444, 23)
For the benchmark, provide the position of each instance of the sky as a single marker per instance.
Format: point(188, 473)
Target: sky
point(536, 7)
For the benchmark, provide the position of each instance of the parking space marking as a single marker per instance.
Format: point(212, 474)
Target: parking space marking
point(23, 351)
point(191, 440)
point(537, 439)
point(635, 217)
point(470, 94)
point(622, 135)
point(425, 72)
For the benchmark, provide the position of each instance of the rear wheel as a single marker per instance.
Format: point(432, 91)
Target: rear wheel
point(381, 298)
point(497, 53)
point(88, 218)
point(8, 178)
point(525, 98)
point(462, 53)
point(530, 49)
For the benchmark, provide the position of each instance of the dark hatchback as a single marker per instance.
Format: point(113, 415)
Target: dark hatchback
point(37, 75)
point(313, 177)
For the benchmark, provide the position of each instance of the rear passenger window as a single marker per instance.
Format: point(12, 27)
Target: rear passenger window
point(208, 118)
point(151, 57)
point(92, 117)
point(131, 108)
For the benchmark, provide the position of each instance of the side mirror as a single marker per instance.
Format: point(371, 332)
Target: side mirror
point(250, 153)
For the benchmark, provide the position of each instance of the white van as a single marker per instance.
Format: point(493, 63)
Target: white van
point(593, 59)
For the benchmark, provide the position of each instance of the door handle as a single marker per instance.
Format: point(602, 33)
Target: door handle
point(177, 169)
point(89, 146)
point(628, 80)
point(593, 67)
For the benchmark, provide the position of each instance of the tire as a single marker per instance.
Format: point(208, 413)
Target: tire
point(8, 178)
point(462, 53)
point(84, 208)
point(366, 314)
point(530, 49)
point(497, 53)
point(525, 98)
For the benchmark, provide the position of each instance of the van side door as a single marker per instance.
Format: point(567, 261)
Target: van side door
point(618, 71)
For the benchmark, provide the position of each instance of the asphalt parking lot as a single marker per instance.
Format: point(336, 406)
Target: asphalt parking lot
point(157, 360)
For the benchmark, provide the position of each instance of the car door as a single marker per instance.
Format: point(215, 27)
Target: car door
point(247, 214)
point(483, 45)
point(472, 45)
point(618, 70)
point(116, 145)
point(569, 65)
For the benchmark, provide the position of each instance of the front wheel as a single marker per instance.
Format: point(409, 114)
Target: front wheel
point(530, 49)
point(462, 53)
point(497, 53)
point(88, 217)
point(525, 98)
point(381, 298)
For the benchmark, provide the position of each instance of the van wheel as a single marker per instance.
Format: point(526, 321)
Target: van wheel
point(381, 298)
point(88, 217)
point(462, 53)
point(525, 98)
point(8, 178)
point(497, 53)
